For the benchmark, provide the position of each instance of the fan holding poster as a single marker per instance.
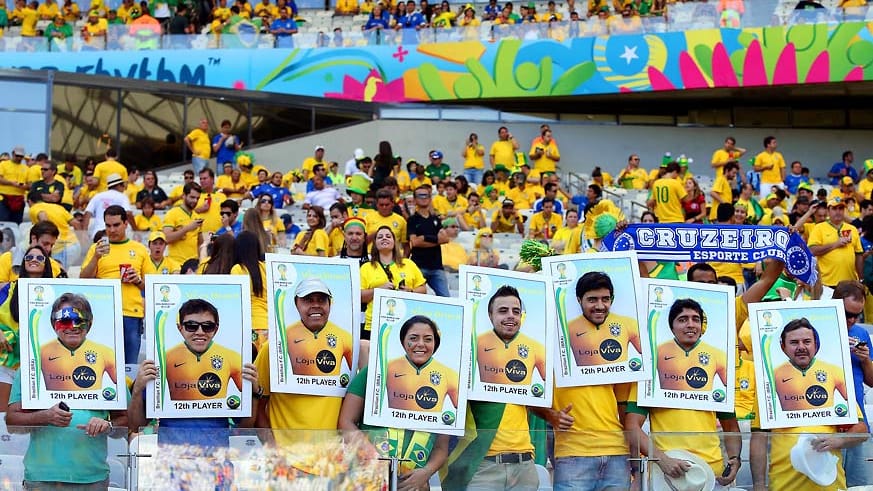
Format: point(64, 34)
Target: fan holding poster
point(512, 338)
point(314, 323)
point(72, 356)
point(418, 364)
point(599, 340)
point(801, 360)
point(198, 332)
point(693, 344)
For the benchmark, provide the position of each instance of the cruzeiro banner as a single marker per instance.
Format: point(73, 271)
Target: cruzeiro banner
point(719, 243)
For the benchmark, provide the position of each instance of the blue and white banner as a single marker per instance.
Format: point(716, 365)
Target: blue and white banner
point(716, 243)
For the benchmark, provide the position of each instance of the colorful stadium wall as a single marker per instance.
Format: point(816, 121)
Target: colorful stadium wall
point(811, 53)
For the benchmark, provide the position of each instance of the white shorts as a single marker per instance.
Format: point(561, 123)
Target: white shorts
point(7, 375)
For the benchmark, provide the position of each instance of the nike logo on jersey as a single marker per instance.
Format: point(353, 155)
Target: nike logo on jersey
point(786, 379)
point(177, 365)
point(668, 358)
point(53, 358)
point(581, 334)
point(299, 340)
point(489, 349)
point(399, 375)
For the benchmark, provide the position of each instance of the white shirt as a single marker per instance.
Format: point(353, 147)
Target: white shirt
point(351, 166)
point(323, 198)
point(99, 203)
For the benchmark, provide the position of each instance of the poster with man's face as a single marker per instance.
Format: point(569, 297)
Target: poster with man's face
point(198, 332)
point(72, 347)
point(419, 363)
point(599, 339)
point(313, 311)
point(513, 331)
point(693, 343)
point(801, 364)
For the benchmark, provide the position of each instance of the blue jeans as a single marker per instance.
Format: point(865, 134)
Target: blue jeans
point(132, 339)
point(474, 176)
point(437, 281)
point(610, 472)
point(858, 470)
point(199, 164)
point(7, 215)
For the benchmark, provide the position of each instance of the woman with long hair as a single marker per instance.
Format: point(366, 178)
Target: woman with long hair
point(34, 264)
point(315, 242)
point(221, 256)
point(462, 186)
point(695, 206)
point(252, 223)
point(484, 253)
point(487, 178)
point(382, 164)
point(270, 221)
point(248, 260)
point(389, 270)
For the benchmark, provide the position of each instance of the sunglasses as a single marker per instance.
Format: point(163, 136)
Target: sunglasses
point(207, 326)
point(266, 201)
point(225, 213)
point(422, 196)
point(853, 315)
point(487, 236)
point(69, 325)
point(34, 257)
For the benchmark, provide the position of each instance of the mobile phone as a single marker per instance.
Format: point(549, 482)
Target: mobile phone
point(63, 405)
point(104, 240)
point(862, 343)
point(727, 471)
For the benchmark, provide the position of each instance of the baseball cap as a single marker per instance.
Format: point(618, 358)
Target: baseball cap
point(19, 150)
point(807, 186)
point(359, 153)
point(835, 202)
point(319, 147)
point(436, 154)
point(846, 180)
point(508, 202)
point(113, 180)
point(157, 234)
point(310, 286)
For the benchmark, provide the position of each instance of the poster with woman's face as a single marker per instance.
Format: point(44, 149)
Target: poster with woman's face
point(801, 360)
point(419, 363)
point(513, 334)
point(71, 342)
point(693, 342)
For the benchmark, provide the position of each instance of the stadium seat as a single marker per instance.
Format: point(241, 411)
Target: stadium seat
point(545, 478)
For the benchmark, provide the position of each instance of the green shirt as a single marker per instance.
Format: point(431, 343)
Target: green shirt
point(441, 172)
point(66, 30)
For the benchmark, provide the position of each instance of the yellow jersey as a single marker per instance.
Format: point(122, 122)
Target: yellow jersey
point(201, 376)
point(542, 228)
point(151, 224)
point(319, 242)
point(443, 206)
point(509, 363)
point(11, 171)
point(723, 188)
point(603, 344)
point(811, 388)
point(523, 198)
point(186, 248)
point(373, 275)
point(597, 429)
point(200, 143)
point(212, 216)
point(472, 158)
point(838, 264)
point(633, 179)
point(318, 353)
point(668, 194)
point(396, 222)
point(105, 169)
point(548, 161)
point(109, 267)
point(721, 157)
point(773, 175)
point(79, 369)
point(694, 369)
point(166, 266)
point(7, 273)
point(503, 153)
point(423, 388)
point(259, 302)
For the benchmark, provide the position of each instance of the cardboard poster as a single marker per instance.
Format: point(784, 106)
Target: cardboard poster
point(314, 306)
point(693, 342)
point(513, 340)
point(419, 363)
point(72, 347)
point(198, 332)
point(802, 364)
point(599, 339)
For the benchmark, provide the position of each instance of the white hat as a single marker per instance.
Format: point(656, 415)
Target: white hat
point(359, 153)
point(113, 180)
point(310, 286)
point(819, 467)
point(699, 477)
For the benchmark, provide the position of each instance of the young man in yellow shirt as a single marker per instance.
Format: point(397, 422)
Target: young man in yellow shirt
point(182, 225)
point(729, 153)
point(200, 145)
point(837, 246)
point(667, 196)
point(544, 224)
point(771, 165)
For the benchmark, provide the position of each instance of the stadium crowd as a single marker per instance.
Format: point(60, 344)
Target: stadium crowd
point(402, 220)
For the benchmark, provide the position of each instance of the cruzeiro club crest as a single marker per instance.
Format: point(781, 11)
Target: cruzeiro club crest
point(523, 350)
point(435, 378)
point(821, 376)
point(217, 362)
point(91, 357)
point(615, 329)
point(703, 357)
point(331, 340)
point(744, 384)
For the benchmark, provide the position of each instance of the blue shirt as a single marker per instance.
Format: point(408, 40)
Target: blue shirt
point(66, 455)
point(310, 186)
point(284, 39)
point(225, 152)
point(493, 9)
point(409, 23)
point(558, 208)
point(277, 193)
point(235, 229)
point(373, 22)
point(861, 335)
point(792, 181)
point(837, 168)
